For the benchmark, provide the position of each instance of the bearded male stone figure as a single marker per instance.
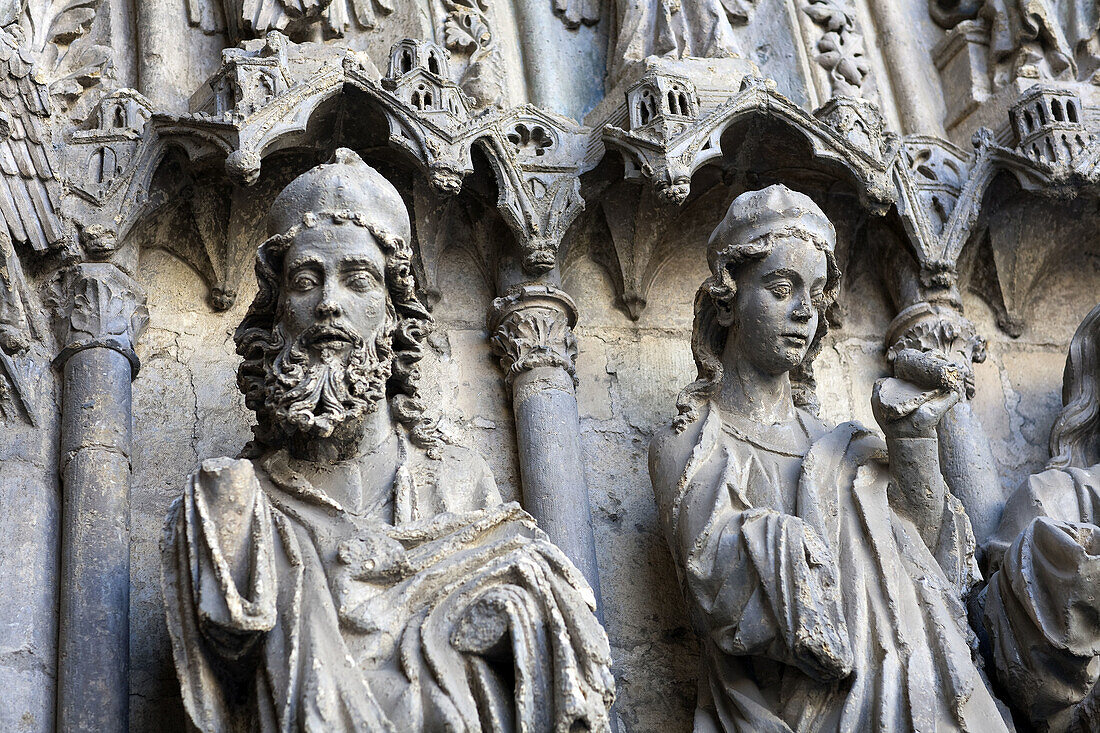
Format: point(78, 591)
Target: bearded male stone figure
point(356, 572)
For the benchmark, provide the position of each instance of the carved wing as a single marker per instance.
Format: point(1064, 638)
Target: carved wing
point(28, 184)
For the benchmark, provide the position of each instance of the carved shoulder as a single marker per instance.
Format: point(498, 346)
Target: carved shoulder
point(228, 484)
point(669, 451)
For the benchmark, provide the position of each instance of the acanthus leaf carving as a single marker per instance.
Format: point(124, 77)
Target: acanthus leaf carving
point(934, 327)
point(97, 305)
point(532, 327)
point(840, 50)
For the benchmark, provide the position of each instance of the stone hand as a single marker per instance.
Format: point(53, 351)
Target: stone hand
point(926, 385)
point(905, 410)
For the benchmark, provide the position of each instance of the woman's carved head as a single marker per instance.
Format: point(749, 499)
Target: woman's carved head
point(773, 275)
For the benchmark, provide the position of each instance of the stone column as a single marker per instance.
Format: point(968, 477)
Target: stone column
point(564, 67)
point(915, 85)
point(161, 31)
point(100, 312)
point(531, 330)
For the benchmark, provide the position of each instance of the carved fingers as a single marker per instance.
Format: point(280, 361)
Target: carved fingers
point(905, 410)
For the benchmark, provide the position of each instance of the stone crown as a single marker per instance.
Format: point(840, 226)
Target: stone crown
point(344, 184)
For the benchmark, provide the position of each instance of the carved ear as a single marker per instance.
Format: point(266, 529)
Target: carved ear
point(723, 311)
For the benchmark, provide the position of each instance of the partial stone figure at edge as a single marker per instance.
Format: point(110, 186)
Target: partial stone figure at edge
point(356, 571)
point(1041, 607)
point(825, 571)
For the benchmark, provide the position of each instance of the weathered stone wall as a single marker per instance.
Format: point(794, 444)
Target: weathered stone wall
point(1020, 258)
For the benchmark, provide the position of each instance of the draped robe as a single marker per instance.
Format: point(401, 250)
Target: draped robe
point(676, 29)
point(819, 607)
point(460, 616)
point(1042, 602)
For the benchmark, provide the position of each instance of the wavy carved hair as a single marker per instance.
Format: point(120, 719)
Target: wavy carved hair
point(1075, 436)
point(408, 325)
point(709, 337)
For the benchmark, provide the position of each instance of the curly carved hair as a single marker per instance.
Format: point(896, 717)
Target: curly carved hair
point(1075, 436)
point(709, 337)
point(409, 324)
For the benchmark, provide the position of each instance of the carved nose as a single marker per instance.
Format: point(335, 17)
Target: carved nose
point(802, 313)
point(329, 309)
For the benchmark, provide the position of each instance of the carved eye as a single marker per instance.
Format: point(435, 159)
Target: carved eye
point(781, 290)
point(362, 280)
point(304, 280)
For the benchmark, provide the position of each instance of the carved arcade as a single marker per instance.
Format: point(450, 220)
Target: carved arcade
point(505, 168)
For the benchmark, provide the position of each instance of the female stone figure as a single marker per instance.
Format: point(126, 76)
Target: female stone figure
point(825, 582)
point(1042, 604)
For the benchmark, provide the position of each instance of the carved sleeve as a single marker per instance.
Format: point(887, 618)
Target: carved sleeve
point(1040, 605)
point(761, 582)
point(1043, 618)
point(767, 586)
point(230, 616)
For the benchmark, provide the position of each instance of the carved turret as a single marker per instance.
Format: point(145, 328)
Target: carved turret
point(1048, 126)
point(419, 75)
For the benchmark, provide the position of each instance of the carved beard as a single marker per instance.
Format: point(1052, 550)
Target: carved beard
point(315, 395)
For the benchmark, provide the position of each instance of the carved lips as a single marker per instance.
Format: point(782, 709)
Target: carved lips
point(798, 339)
point(330, 335)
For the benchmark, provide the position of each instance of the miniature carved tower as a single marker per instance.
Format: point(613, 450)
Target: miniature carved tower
point(419, 75)
point(1048, 125)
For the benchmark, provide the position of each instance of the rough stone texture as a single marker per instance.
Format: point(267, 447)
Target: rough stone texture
point(930, 142)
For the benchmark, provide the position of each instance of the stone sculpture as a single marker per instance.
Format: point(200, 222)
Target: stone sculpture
point(1031, 39)
point(702, 29)
point(825, 579)
point(1030, 35)
point(254, 18)
point(357, 572)
point(1041, 608)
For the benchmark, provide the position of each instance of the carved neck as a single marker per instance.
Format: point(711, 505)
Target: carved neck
point(748, 392)
point(349, 441)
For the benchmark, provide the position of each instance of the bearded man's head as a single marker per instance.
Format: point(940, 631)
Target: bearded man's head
point(336, 330)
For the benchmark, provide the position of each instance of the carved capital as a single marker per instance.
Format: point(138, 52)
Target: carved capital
point(938, 327)
point(97, 305)
point(531, 327)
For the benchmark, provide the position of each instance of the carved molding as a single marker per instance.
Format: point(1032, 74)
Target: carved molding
point(97, 305)
point(531, 326)
point(668, 147)
point(938, 241)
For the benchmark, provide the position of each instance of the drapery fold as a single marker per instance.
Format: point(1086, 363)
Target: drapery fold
point(464, 621)
point(830, 612)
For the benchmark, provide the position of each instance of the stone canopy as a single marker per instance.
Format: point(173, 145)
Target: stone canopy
point(631, 365)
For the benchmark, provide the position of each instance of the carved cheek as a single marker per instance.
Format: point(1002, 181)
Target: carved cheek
point(372, 308)
point(299, 310)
